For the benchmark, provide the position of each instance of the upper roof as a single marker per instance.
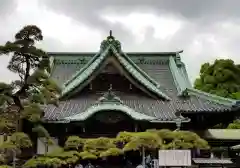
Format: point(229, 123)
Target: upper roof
point(113, 46)
point(161, 74)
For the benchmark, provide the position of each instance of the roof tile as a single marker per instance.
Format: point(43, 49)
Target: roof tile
point(163, 110)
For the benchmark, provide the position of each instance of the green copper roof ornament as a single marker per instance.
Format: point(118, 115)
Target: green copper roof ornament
point(109, 97)
point(110, 41)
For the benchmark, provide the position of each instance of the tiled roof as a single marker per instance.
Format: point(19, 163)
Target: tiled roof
point(108, 106)
point(223, 134)
point(212, 161)
point(236, 147)
point(162, 110)
point(160, 73)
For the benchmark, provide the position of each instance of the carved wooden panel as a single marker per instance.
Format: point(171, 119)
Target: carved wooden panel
point(110, 117)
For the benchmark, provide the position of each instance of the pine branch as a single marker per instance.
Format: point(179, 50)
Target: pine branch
point(25, 97)
point(33, 87)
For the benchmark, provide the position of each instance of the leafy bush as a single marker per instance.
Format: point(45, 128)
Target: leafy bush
point(5, 166)
point(111, 152)
point(147, 140)
point(88, 155)
point(234, 125)
point(180, 140)
point(77, 148)
point(74, 142)
point(43, 161)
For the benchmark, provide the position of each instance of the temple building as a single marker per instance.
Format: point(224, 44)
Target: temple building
point(111, 91)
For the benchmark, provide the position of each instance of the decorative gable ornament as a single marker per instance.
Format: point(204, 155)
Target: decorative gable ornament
point(110, 97)
point(110, 117)
point(110, 41)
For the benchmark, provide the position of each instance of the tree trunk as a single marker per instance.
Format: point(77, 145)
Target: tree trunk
point(143, 156)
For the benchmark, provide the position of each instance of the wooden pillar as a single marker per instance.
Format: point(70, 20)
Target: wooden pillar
point(135, 126)
point(83, 128)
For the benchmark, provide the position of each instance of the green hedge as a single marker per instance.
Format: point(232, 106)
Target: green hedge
point(77, 148)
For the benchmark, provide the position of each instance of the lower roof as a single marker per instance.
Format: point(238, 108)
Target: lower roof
point(223, 134)
point(236, 147)
point(161, 110)
point(212, 161)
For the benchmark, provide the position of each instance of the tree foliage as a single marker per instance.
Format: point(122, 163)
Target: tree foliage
point(137, 141)
point(43, 161)
point(221, 78)
point(5, 166)
point(15, 144)
point(234, 125)
point(77, 148)
point(35, 87)
point(26, 97)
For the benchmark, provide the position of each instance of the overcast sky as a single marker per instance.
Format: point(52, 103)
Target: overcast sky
point(204, 29)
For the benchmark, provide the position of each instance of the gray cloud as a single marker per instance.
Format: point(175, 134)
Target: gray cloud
point(202, 19)
point(6, 6)
point(203, 15)
point(204, 10)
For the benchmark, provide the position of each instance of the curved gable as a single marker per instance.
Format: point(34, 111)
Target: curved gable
point(108, 106)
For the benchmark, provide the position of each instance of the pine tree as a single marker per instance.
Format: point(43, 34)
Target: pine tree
point(27, 96)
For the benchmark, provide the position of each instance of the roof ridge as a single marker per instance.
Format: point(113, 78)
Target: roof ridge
point(178, 78)
point(66, 88)
point(157, 87)
point(212, 97)
point(184, 73)
point(74, 76)
point(130, 52)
